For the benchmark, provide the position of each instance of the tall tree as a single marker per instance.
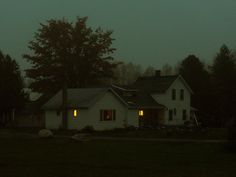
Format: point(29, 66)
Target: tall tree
point(224, 80)
point(12, 96)
point(127, 73)
point(167, 70)
point(149, 71)
point(198, 78)
point(69, 52)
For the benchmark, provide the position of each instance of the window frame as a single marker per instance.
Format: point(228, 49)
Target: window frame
point(106, 111)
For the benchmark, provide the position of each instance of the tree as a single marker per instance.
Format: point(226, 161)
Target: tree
point(167, 70)
point(12, 96)
point(70, 53)
point(198, 78)
point(127, 73)
point(224, 80)
point(149, 71)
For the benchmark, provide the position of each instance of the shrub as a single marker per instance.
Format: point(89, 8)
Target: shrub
point(88, 129)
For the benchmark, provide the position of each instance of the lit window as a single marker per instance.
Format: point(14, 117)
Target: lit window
point(140, 113)
point(108, 115)
point(75, 113)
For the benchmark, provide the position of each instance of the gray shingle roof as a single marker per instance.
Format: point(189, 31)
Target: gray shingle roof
point(86, 97)
point(137, 98)
point(157, 84)
point(81, 97)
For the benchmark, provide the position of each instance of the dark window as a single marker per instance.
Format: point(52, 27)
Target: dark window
point(175, 112)
point(107, 115)
point(114, 114)
point(184, 114)
point(58, 112)
point(173, 94)
point(170, 115)
point(182, 94)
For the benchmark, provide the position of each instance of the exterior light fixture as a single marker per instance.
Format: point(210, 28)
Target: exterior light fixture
point(75, 113)
point(141, 113)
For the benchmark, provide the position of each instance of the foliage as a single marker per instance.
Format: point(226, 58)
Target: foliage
point(167, 70)
point(88, 129)
point(71, 52)
point(127, 73)
point(12, 95)
point(224, 82)
point(149, 71)
point(198, 78)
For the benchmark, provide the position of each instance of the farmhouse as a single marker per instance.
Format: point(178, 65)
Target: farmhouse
point(149, 102)
point(171, 91)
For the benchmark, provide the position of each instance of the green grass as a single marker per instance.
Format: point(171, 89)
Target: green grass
point(61, 157)
point(171, 132)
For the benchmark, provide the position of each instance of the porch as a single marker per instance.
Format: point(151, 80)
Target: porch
point(151, 118)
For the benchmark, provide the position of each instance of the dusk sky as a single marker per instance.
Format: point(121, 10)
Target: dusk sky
point(151, 32)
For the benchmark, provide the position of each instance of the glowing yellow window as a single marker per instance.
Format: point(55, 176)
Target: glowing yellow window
point(140, 113)
point(75, 113)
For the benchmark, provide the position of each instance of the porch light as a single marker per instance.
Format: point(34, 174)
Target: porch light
point(75, 113)
point(140, 113)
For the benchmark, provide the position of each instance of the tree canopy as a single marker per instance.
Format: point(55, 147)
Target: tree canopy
point(224, 82)
point(198, 78)
point(69, 52)
point(11, 85)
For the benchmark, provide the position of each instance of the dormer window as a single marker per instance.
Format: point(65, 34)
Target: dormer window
point(173, 94)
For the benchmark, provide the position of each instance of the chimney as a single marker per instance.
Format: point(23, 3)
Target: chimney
point(157, 73)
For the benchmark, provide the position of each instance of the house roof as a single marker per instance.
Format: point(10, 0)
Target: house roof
point(137, 98)
point(86, 97)
point(81, 97)
point(158, 84)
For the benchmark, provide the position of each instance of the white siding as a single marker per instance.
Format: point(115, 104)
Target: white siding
point(80, 121)
point(91, 116)
point(52, 120)
point(178, 104)
point(133, 118)
point(108, 101)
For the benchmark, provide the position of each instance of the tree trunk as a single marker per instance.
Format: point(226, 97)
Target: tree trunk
point(64, 106)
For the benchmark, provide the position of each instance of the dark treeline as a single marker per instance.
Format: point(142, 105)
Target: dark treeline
point(12, 96)
point(75, 54)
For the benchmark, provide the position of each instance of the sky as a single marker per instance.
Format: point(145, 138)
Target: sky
point(147, 32)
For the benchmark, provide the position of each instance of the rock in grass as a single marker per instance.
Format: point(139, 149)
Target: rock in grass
point(81, 137)
point(45, 133)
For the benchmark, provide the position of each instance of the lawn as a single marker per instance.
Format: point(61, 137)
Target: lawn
point(61, 157)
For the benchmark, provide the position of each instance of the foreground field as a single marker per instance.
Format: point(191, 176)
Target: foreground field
point(61, 157)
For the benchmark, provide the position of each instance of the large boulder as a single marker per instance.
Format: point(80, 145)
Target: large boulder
point(45, 133)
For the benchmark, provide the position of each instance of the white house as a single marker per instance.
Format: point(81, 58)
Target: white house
point(101, 108)
point(171, 91)
point(149, 102)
